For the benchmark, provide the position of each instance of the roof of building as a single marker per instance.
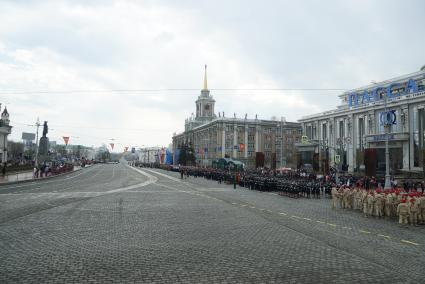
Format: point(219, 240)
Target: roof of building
point(242, 120)
point(5, 111)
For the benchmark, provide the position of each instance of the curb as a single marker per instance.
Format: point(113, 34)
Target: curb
point(39, 179)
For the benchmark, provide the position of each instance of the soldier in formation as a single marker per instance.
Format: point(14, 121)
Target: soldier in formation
point(408, 206)
point(287, 184)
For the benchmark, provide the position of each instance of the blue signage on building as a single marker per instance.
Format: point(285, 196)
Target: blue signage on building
point(388, 117)
point(383, 137)
point(357, 99)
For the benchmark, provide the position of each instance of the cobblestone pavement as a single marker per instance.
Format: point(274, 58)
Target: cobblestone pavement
point(112, 223)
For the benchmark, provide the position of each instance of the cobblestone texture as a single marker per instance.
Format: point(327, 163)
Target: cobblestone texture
point(77, 230)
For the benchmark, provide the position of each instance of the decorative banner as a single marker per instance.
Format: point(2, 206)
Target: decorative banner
point(65, 139)
point(112, 145)
point(242, 147)
point(125, 148)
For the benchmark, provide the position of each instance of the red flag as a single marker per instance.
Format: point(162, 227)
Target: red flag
point(112, 145)
point(242, 147)
point(65, 139)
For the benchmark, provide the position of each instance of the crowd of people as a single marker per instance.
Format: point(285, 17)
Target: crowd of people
point(289, 184)
point(46, 170)
point(408, 204)
point(405, 201)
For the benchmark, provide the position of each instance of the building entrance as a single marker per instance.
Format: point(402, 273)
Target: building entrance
point(374, 160)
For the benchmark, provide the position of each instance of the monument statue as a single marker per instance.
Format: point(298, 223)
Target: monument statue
point(43, 147)
point(45, 129)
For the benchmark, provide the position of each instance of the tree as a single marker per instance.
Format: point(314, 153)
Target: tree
point(16, 150)
point(187, 155)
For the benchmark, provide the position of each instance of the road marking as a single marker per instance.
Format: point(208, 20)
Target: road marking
point(284, 214)
point(409, 242)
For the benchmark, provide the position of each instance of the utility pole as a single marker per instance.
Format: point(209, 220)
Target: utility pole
point(36, 142)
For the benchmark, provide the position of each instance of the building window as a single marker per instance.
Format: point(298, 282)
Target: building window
point(361, 132)
point(324, 132)
point(309, 132)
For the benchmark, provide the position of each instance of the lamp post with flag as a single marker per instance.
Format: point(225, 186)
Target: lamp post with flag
point(387, 118)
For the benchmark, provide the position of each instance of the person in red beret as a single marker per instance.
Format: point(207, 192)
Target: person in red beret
point(403, 211)
point(413, 212)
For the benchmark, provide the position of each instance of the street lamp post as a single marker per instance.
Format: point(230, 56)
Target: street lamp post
point(387, 151)
point(36, 142)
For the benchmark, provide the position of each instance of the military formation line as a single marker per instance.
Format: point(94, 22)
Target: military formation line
point(362, 194)
point(407, 205)
point(287, 184)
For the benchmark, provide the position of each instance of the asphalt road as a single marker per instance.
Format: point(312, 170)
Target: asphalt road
point(116, 224)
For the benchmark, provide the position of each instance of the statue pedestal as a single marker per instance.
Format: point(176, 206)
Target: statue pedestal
point(43, 147)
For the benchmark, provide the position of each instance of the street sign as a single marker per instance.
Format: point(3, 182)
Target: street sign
point(28, 136)
point(337, 159)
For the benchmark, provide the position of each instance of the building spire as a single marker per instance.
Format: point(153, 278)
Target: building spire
point(205, 78)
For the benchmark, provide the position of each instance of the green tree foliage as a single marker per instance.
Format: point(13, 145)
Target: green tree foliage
point(187, 155)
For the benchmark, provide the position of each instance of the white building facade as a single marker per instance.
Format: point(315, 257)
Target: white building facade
point(150, 154)
point(255, 142)
point(354, 133)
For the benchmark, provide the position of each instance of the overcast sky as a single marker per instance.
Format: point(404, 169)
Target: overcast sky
point(64, 61)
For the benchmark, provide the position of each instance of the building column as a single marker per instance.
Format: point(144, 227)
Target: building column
point(332, 141)
point(256, 138)
point(235, 141)
point(223, 141)
point(350, 146)
point(411, 114)
point(245, 154)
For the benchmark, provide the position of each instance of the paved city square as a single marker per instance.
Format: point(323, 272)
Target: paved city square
point(113, 223)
